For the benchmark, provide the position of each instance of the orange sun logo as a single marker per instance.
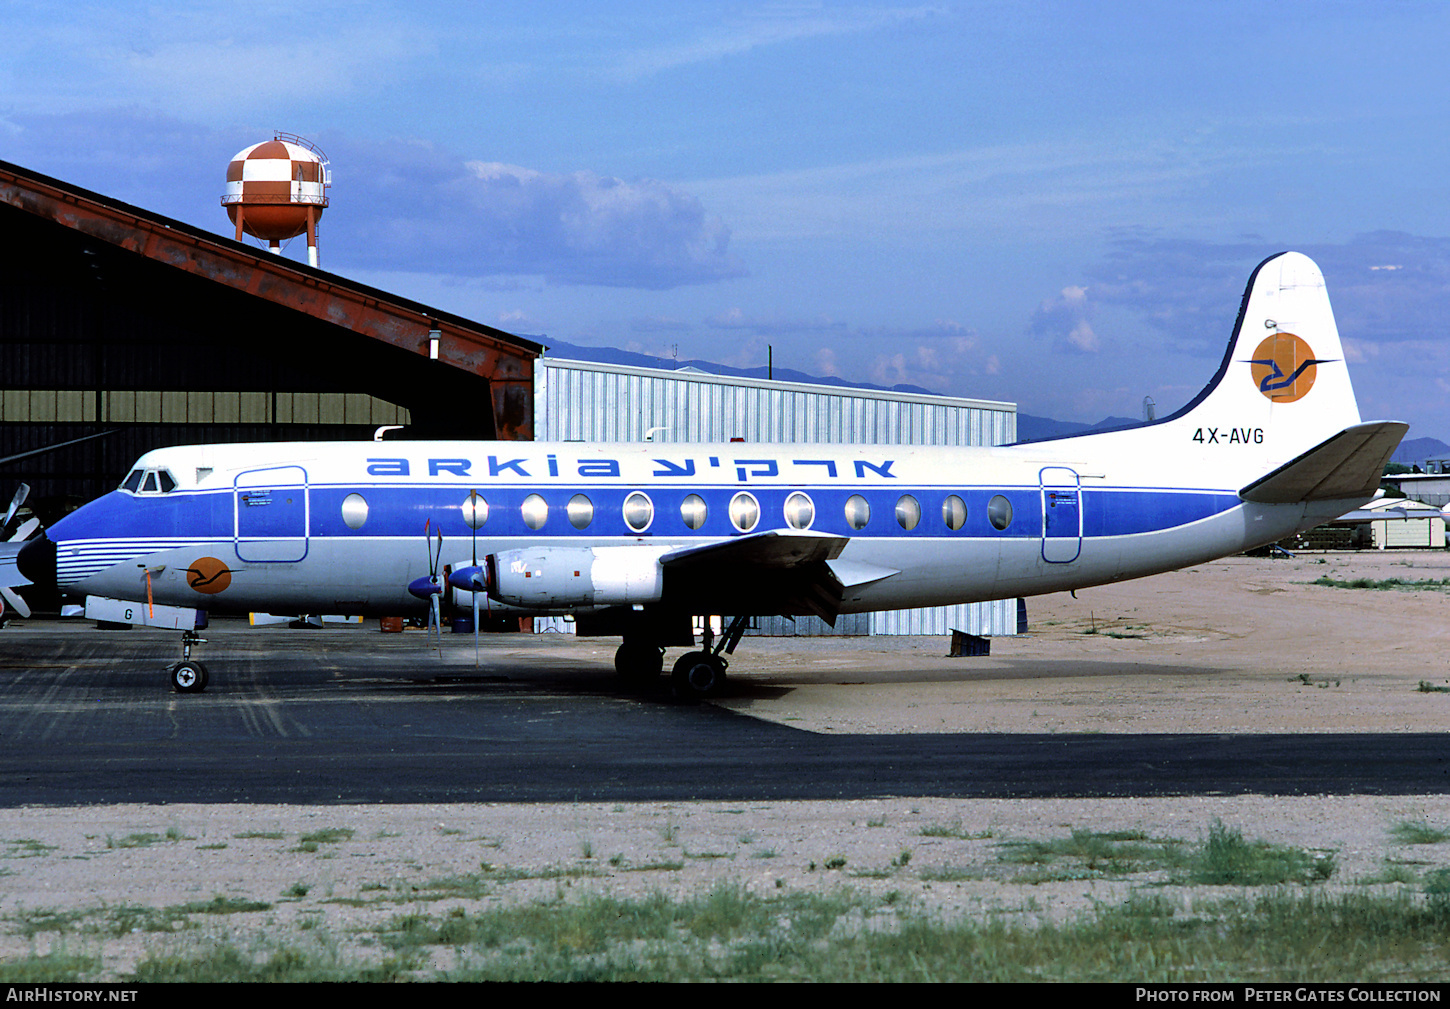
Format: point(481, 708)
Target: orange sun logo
point(208, 575)
point(1284, 367)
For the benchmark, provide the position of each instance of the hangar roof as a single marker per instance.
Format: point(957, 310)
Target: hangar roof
point(506, 360)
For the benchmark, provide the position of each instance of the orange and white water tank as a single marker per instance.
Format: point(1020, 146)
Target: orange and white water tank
point(277, 190)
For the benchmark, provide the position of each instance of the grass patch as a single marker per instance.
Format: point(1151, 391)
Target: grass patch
point(264, 835)
point(1383, 584)
point(1226, 859)
point(1426, 687)
point(1092, 854)
point(55, 966)
point(954, 830)
point(25, 847)
point(1418, 832)
point(731, 934)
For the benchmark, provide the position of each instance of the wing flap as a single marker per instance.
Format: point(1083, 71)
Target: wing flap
point(779, 571)
point(1348, 465)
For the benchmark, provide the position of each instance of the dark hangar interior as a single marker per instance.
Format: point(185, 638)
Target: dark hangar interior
point(118, 322)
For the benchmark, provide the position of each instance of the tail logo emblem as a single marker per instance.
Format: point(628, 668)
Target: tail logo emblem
point(208, 575)
point(1284, 367)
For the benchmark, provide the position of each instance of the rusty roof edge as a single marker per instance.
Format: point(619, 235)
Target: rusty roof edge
point(66, 193)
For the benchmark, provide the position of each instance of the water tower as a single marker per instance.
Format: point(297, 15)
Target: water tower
point(277, 189)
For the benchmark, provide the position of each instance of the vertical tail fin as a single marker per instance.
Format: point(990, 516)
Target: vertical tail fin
point(1283, 387)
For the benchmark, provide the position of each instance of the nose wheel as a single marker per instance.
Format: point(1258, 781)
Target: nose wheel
point(189, 676)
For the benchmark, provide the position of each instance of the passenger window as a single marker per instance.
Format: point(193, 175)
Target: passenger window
point(354, 511)
point(999, 512)
point(639, 511)
point(908, 512)
point(581, 511)
point(693, 511)
point(800, 511)
point(954, 512)
point(475, 510)
point(858, 511)
point(535, 511)
point(744, 512)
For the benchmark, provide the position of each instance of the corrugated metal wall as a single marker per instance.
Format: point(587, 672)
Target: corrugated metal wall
point(587, 401)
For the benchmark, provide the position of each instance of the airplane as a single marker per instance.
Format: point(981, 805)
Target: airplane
point(634, 539)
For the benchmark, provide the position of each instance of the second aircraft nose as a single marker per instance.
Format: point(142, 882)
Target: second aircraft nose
point(36, 561)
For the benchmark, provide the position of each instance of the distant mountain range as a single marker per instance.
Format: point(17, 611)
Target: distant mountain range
point(1417, 450)
point(1029, 428)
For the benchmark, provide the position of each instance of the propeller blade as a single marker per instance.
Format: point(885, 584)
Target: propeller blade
point(475, 630)
point(15, 602)
point(26, 528)
point(21, 493)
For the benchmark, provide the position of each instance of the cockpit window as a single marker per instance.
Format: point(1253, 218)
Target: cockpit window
point(149, 481)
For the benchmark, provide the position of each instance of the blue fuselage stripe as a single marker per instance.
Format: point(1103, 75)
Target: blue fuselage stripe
point(401, 511)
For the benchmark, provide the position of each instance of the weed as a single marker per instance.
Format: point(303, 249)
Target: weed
point(1426, 687)
point(328, 835)
point(265, 835)
point(954, 830)
point(1382, 584)
point(297, 890)
point(1418, 832)
point(25, 847)
point(1095, 854)
point(1227, 859)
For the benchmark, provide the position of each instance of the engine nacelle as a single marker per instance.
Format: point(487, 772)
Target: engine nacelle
point(555, 578)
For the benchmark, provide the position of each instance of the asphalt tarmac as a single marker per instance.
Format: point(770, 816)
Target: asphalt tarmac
point(353, 716)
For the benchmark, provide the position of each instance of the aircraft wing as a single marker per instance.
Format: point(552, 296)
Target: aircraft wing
point(1349, 464)
point(783, 570)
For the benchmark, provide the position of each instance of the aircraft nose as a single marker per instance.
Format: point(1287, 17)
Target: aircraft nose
point(36, 561)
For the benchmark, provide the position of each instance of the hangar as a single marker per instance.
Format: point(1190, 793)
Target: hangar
point(597, 401)
point(119, 323)
point(122, 331)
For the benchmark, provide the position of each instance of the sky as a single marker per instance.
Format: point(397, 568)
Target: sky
point(1052, 204)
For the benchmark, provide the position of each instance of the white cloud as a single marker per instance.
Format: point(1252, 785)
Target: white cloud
point(487, 218)
point(771, 27)
point(1065, 318)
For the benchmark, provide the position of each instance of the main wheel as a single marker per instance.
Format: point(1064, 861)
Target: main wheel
point(188, 677)
point(639, 663)
point(698, 675)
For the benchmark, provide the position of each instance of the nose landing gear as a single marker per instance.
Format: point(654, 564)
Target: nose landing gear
point(189, 676)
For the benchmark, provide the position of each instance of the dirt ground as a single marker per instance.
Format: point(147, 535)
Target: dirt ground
point(1241, 645)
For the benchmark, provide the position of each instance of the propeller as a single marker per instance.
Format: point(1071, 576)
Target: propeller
point(428, 588)
point(8, 596)
point(21, 493)
point(472, 578)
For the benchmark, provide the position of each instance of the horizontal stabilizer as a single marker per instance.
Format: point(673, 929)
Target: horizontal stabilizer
point(1348, 465)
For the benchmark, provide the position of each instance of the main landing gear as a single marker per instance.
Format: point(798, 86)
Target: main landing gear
point(188, 676)
point(696, 676)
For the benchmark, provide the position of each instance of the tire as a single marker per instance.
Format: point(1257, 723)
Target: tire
point(698, 675)
point(188, 677)
point(639, 664)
